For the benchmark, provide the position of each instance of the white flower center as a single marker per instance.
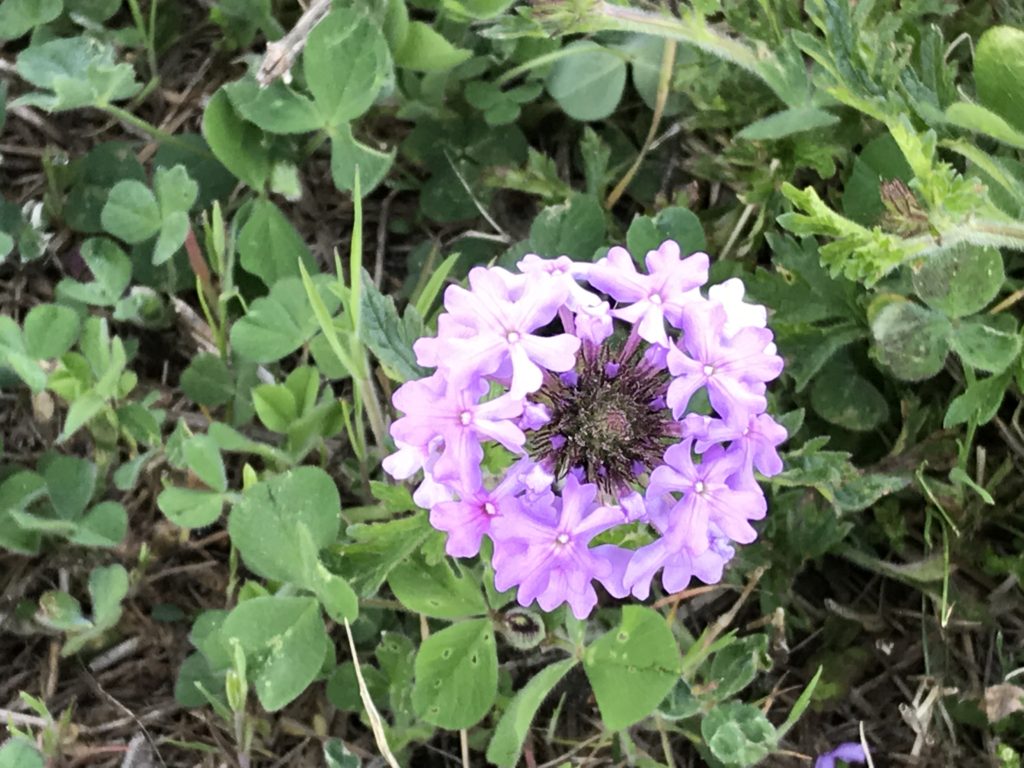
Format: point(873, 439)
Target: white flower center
point(562, 538)
point(655, 298)
point(746, 431)
point(698, 487)
point(465, 418)
point(512, 337)
point(709, 370)
point(490, 510)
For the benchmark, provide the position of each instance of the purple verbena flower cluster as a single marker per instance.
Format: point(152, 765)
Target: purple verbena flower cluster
point(592, 376)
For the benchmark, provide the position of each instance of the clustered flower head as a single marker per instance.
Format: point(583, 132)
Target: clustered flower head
point(609, 397)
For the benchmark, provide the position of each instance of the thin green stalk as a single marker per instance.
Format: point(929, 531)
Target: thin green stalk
point(548, 58)
point(690, 29)
point(148, 35)
point(146, 127)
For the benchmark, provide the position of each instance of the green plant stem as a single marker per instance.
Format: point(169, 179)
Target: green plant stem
point(146, 127)
point(148, 34)
point(690, 29)
point(548, 58)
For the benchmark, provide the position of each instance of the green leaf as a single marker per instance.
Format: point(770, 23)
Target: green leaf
point(435, 590)
point(80, 71)
point(738, 734)
point(236, 143)
point(276, 407)
point(275, 108)
point(102, 526)
point(107, 588)
point(999, 72)
point(507, 742)
point(50, 330)
point(12, 345)
point(278, 324)
point(203, 457)
point(880, 160)
point(336, 755)
point(425, 50)
point(284, 641)
point(264, 524)
point(736, 665)
point(104, 166)
point(646, 53)
point(94, 10)
point(82, 410)
point(19, 753)
point(20, 16)
point(846, 399)
point(71, 483)
point(787, 123)
point(389, 336)
point(111, 270)
point(337, 597)
point(132, 212)
point(984, 346)
point(457, 675)
point(347, 155)
point(575, 229)
point(189, 507)
point(979, 402)
point(911, 340)
point(269, 246)
point(960, 281)
point(346, 63)
point(808, 351)
point(974, 117)
point(857, 493)
point(207, 381)
point(587, 84)
point(377, 549)
point(176, 193)
point(632, 667)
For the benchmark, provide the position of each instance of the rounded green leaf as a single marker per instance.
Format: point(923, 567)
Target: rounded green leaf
point(999, 73)
point(190, 507)
point(457, 675)
point(19, 753)
point(236, 143)
point(275, 108)
point(50, 330)
point(588, 83)
point(102, 526)
point(111, 271)
point(424, 49)
point(131, 212)
point(264, 525)
point(961, 281)
point(284, 641)
point(207, 381)
point(985, 346)
point(269, 246)
point(911, 340)
point(632, 667)
point(20, 16)
point(435, 590)
point(346, 62)
point(738, 734)
point(846, 399)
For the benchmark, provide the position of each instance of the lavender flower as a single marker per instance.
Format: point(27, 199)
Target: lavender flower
point(584, 375)
point(848, 752)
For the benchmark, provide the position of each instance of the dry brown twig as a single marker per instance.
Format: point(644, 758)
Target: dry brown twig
point(281, 54)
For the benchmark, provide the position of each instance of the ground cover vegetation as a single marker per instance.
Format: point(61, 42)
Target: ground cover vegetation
point(245, 522)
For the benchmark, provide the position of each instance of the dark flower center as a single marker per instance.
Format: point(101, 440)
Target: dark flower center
point(608, 419)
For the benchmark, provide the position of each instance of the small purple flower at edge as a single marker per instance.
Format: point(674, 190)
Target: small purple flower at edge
point(580, 378)
point(849, 752)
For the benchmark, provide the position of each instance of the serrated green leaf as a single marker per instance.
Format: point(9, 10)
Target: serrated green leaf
point(788, 123)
